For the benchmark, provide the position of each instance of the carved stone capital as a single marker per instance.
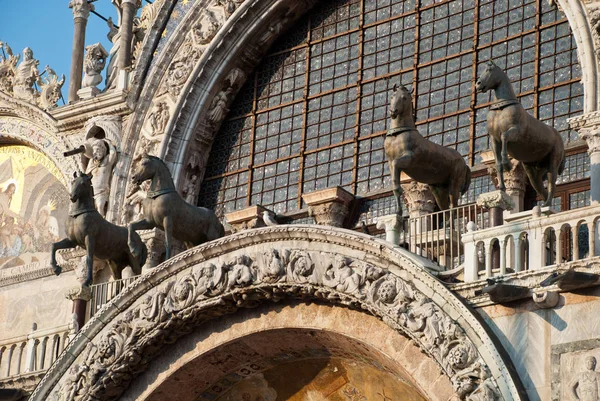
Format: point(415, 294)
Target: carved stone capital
point(79, 292)
point(419, 198)
point(392, 224)
point(81, 8)
point(329, 206)
point(591, 136)
point(250, 217)
point(515, 180)
point(495, 199)
point(155, 243)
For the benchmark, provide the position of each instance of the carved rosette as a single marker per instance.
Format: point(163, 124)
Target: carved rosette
point(186, 294)
point(418, 198)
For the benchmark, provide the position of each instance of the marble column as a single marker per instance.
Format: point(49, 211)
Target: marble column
point(393, 227)
point(81, 12)
point(80, 295)
point(592, 137)
point(129, 7)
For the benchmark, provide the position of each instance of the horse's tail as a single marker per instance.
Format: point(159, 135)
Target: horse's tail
point(467, 182)
point(561, 166)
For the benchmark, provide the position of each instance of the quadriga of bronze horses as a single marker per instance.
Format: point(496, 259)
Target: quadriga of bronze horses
point(444, 169)
point(514, 132)
point(103, 240)
point(164, 208)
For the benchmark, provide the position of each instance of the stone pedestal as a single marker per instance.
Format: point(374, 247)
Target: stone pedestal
point(80, 295)
point(251, 217)
point(515, 180)
point(88, 93)
point(393, 227)
point(81, 12)
point(329, 206)
point(155, 243)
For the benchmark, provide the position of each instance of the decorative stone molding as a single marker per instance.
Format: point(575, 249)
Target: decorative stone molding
point(329, 206)
point(419, 198)
point(271, 264)
point(497, 199)
point(250, 217)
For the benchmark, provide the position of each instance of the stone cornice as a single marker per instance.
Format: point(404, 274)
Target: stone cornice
point(75, 115)
point(32, 271)
point(270, 264)
point(19, 108)
point(588, 120)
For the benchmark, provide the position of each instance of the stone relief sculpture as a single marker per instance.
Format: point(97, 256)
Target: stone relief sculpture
point(164, 208)
point(19, 80)
point(159, 119)
point(209, 289)
point(514, 132)
point(93, 63)
point(86, 228)
point(219, 106)
point(444, 169)
point(585, 386)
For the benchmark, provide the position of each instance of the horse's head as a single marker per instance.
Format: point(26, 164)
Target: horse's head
point(490, 79)
point(145, 170)
point(81, 187)
point(401, 101)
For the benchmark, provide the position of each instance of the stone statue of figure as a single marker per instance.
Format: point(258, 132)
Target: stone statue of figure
point(586, 385)
point(102, 157)
point(27, 75)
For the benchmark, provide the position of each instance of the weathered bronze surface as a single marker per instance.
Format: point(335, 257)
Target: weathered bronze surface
point(444, 169)
point(514, 132)
point(103, 240)
point(165, 208)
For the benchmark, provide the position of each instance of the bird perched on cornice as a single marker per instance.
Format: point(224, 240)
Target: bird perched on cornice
point(269, 218)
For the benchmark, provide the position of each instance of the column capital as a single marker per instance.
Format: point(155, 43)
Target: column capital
point(79, 293)
point(81, 8)
point(515, 180)
point(495, 199)
point(329, 206)
point(419, 198)
point(389, 222)
point(588, 126)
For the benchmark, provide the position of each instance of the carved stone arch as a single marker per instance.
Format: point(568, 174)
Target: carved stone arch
point(15, 129)
point(257, 267)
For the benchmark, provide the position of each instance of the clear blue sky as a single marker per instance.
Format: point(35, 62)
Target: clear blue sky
point(46, 26)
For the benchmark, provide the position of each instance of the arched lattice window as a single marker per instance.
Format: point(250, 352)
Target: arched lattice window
point(314, 113)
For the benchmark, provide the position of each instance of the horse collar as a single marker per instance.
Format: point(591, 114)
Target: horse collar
point(499, 105)
point(156, 194)
point(77, 212)
point(399, 130)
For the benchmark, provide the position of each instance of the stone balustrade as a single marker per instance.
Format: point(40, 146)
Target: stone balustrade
point(24, 359)
point(530, 240)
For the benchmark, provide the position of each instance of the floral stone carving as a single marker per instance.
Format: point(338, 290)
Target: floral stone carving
point(215, 287)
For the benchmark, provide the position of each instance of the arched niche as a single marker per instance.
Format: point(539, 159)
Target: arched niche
point(273, 266)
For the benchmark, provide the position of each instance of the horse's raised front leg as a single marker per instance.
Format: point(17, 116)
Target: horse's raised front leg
point(133, 227)
point(90, 243)
point(168, 227)
point(497, 149)
point(505, 137)
point(62, 244)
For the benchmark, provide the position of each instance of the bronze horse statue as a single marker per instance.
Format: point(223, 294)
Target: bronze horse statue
point(164, 208)
point(444, 169)
point(539, 147)
point(103, 240)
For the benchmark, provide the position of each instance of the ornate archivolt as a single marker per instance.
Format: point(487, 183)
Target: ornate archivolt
point(191, 84)
point(26, 124)
point(268, 265)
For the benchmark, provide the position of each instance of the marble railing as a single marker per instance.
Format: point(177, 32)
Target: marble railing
point(102, 293)
point(32, 354)
point(530, 240)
